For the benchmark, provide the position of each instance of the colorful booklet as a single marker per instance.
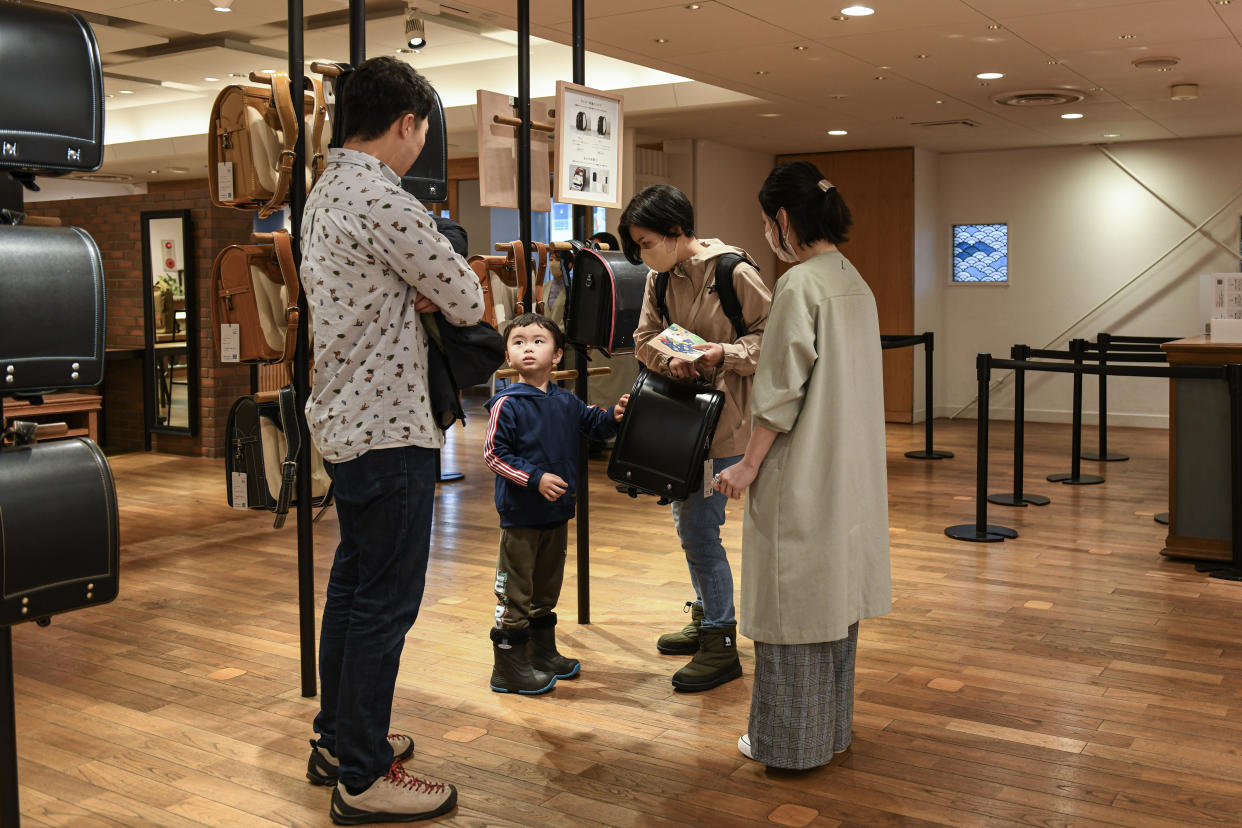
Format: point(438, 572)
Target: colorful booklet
point(676, 341)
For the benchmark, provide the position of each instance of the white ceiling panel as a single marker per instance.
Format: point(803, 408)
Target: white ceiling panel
point(1165, 21)
point(115, 39)
point(138, 94)
point(816, 19)
point(198, 17)
point(193, 65)
point(384, 36)
point(112, 7)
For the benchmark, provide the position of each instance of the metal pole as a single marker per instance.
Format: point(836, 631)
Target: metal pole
point(1077, 347)
point(929, 394)
point(1103, 341)
point(580, 357)
point(1018, 497)
point(10, 813)
point(980, 531)
point(301, 372)
point(524, 183)
point(357, 31)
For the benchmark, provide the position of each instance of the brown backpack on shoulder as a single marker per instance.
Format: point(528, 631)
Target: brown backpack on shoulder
point(255, 289)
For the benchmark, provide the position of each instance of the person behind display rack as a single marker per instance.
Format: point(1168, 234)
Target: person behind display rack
point(373, 260)
point(815, 535)
point(657, 227)
point(532, 446)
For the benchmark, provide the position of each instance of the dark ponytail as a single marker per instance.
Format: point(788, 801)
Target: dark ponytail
point(815, 215)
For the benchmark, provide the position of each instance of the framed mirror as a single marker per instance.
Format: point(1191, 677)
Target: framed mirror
point(170, 379)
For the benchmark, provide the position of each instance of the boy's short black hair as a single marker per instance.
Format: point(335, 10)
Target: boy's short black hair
point(380, 91)
point(558, 337)
point(661, 208)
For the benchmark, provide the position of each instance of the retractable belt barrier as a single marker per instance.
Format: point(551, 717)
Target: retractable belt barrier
point(982, 532)
point(928, 340)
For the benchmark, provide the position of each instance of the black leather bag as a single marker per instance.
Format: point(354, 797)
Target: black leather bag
point(260, 463)
point(605, 300)
point(52, 314)
point(58, 530)
point(665, 437)
point(427, 179)
point(52, 120)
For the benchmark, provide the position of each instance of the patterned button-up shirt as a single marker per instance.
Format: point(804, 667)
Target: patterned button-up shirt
point(369, 250)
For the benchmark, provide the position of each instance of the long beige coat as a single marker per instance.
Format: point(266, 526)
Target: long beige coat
point(815, 538)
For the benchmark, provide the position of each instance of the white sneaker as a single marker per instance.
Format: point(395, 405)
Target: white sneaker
point(743, 746)
point(399, 796)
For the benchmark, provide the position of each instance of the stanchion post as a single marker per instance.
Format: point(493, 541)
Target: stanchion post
point(1103, 341)
point(580, 360)
point(980, 531)
point(1078, 348)
point(929, 396)
point(1020, 353)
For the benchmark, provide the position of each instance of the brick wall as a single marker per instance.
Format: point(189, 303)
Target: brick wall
point(115, 225)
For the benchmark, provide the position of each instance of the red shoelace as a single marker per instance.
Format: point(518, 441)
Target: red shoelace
point(398, 775)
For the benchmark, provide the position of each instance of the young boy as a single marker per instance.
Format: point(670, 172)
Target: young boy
point(532, 446)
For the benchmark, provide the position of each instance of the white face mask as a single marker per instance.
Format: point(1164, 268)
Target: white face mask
point(782, 251)
point(661, 258)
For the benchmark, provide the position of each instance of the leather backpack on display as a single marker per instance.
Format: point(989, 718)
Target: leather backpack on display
point(252, 139)
point(665, 437)
point(605, 299)
point(52, 120)
point(59, 544)
point(513, 271)
point(255, 290)
point(53, 313)
point(260, 463)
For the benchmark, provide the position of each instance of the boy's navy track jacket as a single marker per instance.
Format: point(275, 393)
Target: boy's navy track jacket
point(530, 433)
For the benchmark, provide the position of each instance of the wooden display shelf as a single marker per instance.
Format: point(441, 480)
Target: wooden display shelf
point(78, 410)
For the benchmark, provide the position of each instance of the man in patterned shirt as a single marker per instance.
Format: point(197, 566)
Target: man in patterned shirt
point(372, 261)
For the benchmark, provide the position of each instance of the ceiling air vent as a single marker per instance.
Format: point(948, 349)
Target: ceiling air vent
point(1039, 97)
point(960, 122)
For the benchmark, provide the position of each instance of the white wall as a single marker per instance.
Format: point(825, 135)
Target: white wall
point(1079, 229)
point(725, 196)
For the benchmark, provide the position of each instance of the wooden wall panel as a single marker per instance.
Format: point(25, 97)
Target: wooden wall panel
point(878, 187)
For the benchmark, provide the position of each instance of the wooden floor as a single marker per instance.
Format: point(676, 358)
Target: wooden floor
point(1071, 677)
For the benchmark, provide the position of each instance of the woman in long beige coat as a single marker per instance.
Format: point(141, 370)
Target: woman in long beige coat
point(815, 539)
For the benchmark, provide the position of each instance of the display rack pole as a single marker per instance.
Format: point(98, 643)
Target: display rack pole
point(301, 374)
point(580, 224)
point(523, 183)
point(357, 31)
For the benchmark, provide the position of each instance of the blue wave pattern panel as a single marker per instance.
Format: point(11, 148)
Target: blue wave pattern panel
point(981, 253)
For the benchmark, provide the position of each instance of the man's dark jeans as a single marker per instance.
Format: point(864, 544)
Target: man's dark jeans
point(383, 501)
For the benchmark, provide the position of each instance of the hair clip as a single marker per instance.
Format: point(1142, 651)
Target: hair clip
point(825, 185)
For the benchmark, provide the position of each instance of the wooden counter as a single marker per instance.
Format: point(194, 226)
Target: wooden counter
point(1199, 474)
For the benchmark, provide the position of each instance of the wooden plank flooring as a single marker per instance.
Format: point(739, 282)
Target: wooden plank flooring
point(1071, 677)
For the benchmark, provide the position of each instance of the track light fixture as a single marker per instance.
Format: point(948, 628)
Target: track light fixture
point(415, 29)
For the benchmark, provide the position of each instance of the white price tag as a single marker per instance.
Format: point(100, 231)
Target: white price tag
point(708, 473)
point(230, 342)
point(239, 491)
point(224, 180)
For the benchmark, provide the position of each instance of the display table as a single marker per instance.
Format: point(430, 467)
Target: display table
point(1199, 453)
point(79, 410)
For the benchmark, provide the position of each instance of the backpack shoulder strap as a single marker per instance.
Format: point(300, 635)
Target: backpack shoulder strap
point(282, 100)
point(661, 296)
point(283, 249)
point(725, 265)
point(293, 444)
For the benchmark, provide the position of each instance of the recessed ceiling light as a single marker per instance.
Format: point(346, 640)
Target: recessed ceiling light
point(840, 18)
point(178, 170)
point(126, 91)
point(238, 75)
point(939, 102)
point(269, 71)
point(661, 40)
point(920, 56)
point(837, 132)
point(1112, 135)
point(222, 9)
point(211, 80)
point(857, 11)
point(152, 172)
point(994, 26)
point(761, 71)
point(109, 96)
point(990, 75)
point(1223, 2)
point(693, 6)
point(801, 48)
point(1127, 37)
point(769, 114)
point(1054, 63)
point(1072, 116)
